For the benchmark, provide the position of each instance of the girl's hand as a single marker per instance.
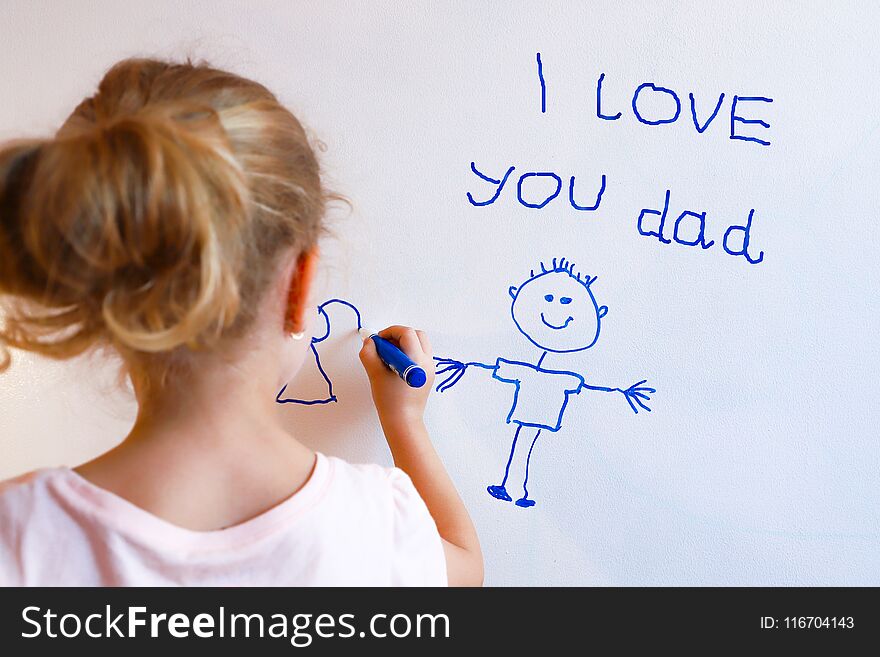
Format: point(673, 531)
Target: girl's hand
point(398, 405)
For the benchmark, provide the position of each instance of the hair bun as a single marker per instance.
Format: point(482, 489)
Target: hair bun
point(131, 223)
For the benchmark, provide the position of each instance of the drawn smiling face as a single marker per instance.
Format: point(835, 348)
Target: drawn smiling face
point(557, 312)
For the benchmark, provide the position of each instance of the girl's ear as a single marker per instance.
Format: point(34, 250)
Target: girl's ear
point(512, 290)
point(603, 310)
point(299, 289)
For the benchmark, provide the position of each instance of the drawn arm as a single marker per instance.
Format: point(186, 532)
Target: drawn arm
point(454, 370)
point(636, 395)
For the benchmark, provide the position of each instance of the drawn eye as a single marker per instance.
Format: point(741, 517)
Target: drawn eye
point(548, 297)
point(565, 300)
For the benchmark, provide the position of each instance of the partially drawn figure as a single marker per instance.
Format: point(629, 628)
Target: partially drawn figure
point(322, 313)
point(556, 311)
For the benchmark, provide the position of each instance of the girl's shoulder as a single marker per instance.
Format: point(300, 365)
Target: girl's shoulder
point(383, 503)
point(372, 481)
point(28, 485)
point(26, 503)
point(29, 498)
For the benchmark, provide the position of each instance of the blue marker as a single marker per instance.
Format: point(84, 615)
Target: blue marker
point(396, 360)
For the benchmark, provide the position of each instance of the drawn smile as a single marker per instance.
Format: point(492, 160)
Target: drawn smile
point(566, 323)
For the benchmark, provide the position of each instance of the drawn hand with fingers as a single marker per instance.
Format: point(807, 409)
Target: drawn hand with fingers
point(556, 311)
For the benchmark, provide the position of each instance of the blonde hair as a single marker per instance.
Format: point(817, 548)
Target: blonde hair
point(153, 220)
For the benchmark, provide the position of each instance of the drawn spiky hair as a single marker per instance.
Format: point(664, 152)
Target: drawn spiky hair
point(563, 265)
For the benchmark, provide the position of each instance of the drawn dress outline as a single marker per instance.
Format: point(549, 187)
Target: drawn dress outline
point(331, 397)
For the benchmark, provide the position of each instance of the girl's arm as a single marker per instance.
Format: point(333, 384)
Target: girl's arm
point(400, 410)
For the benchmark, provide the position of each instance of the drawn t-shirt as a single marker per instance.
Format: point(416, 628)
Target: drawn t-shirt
point(540, 396)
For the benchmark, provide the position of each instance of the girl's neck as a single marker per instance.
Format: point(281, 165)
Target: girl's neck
point(206, 456)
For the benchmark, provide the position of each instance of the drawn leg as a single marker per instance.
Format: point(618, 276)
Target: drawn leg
point(500, 492)
point(524, 501)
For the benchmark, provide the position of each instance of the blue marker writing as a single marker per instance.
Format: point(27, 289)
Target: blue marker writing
point(396, 360)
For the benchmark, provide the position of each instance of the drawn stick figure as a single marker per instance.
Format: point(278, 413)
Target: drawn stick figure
point(556, 311)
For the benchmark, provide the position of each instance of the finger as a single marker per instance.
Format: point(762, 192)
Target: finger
point(407, 340)
point(427, 354)
point(368, 350)
point(642, 404)
point(631, 405)
point(425, 342)
point(370, 358)
point(394, 332)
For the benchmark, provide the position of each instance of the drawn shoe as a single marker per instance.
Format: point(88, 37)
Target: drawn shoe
point(525, 502)
point(499, 493)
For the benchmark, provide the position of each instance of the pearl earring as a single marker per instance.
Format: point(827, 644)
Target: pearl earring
point(298, 335)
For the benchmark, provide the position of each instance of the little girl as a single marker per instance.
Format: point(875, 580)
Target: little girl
point(174, 219)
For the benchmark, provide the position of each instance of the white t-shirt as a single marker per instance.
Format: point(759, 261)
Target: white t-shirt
point(349, 525)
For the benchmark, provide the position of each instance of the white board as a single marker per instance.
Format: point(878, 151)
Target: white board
point(758, 462)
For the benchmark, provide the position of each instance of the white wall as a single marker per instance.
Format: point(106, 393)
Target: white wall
point(758, 464)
